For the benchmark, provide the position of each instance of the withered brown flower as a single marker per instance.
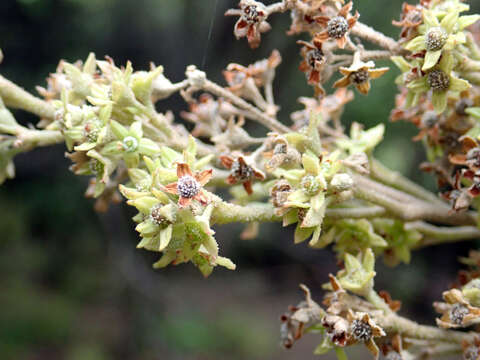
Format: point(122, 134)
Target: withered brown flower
point(411, 18)
point(456, 310)
point(241, 171)
point(313, 63)
point(359, 74)
point(189, 186)
point(252, 21)
point(337, 27)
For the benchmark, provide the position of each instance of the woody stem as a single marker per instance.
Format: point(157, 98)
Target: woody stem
point(376, 37)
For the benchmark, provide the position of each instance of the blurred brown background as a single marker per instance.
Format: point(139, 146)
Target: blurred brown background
point(72, 284)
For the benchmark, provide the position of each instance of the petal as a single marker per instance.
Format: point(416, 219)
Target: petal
point(226, 161)
point(364, 87)
point(202, 198)
point(258, 174)
point(449, 21)
point(376, 73)
point(165, 235)
point(439, 101)
point(459, 85)
point(343, 82)
point(231, 180)
point(171, 188)
point(322, 20)
point(345, 10)
point(183, 170)
point(417, 44)
point(342, 42)
point(247, 185)
point(373, 348)
point(204, 177)
point(430, 19)
point(431, 59)
point(183, 202)
point(321, 37)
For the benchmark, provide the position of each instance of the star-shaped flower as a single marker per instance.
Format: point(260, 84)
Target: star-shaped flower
point(359, 74)
point(189, 186)
point(337, 27)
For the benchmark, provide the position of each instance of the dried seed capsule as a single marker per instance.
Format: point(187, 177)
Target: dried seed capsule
point(435, 38)
point(337, 27)
point(130, 144)
point(360, 76)
point(188, 187)
point(438, 80)
point(457, 313)
point(361, 330)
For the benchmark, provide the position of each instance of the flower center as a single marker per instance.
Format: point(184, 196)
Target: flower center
point(435, 38)
point(130, 144)
point(310, 185)
point(360, 76)
point(96, 166)
point(438, 80)
point(188, 187)
point(156, 216)
point(361, 330)
point(457, 313)
point(251, 14)
point(241, 172)
point(337, 27)
point(315, 55)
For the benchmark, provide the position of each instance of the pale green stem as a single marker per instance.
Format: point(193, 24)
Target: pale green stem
point(15, 97)
point(225, 213)
point(395, 324)
point(340, 352)
point(395, 179)
point(371, 191)
point(30, 138)
point(472, 77)
point(375, 299)
point(435, 235)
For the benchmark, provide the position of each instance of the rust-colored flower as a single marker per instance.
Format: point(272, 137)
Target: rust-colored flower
point(456, 310)
point(337, 27)
point(208, 114)
point(241, 171)
point(359, 74)
point(313, 63)
point(252, 21)
point(189, 186)
point(363, 330)
point(411, 18)
point(329, 107)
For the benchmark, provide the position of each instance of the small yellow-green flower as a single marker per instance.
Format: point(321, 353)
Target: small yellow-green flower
point(436, 36)
point(440, 80)
point(131, 143)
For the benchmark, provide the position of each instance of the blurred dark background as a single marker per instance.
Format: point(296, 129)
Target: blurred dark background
point(72, 284)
